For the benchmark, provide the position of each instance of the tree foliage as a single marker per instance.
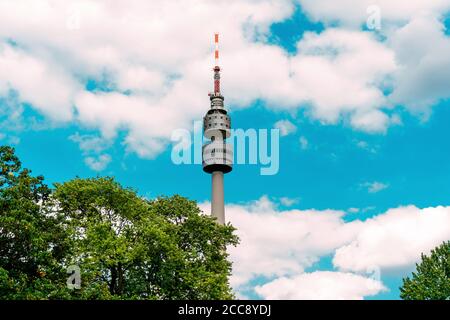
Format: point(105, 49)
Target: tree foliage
point(126, 247)
point(431, 280)
point(32, 243)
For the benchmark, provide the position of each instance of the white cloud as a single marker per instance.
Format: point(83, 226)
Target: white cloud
point(286, 127)
point(92, 147)
point(364, 145)
point(148, 55)
point(45, 86)
point(14, 140)
point(304, 143)
point(90, 143)
point(395, 239)
point(370, 120)
point(354, 12)
point(9, 139)
point(321, 285)
point(415, 34)
point(423, 52)
point(154, 60)
point(375, 187)
point(277, 244)
point(98, 163)
point(338, 61)
point(288, 202)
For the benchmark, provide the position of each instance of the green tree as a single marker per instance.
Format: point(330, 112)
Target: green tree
point(431, 280)
point(32, 243)
point(130, 248)
point(126, 247)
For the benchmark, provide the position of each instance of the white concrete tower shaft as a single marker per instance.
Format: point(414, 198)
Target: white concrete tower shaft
point(218, 197)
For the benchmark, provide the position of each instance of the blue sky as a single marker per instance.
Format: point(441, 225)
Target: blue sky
point(404, 157)
point(413, 159)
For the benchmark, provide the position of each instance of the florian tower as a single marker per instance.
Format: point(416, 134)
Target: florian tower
point(217, 154)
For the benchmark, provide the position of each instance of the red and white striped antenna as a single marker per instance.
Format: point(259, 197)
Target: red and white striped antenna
point(216, 52)
point(216, 68)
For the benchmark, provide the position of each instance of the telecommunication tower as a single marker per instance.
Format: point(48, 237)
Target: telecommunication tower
point(217, 154)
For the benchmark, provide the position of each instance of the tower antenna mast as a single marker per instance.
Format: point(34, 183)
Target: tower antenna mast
point(216, 52)
point(216, 67)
